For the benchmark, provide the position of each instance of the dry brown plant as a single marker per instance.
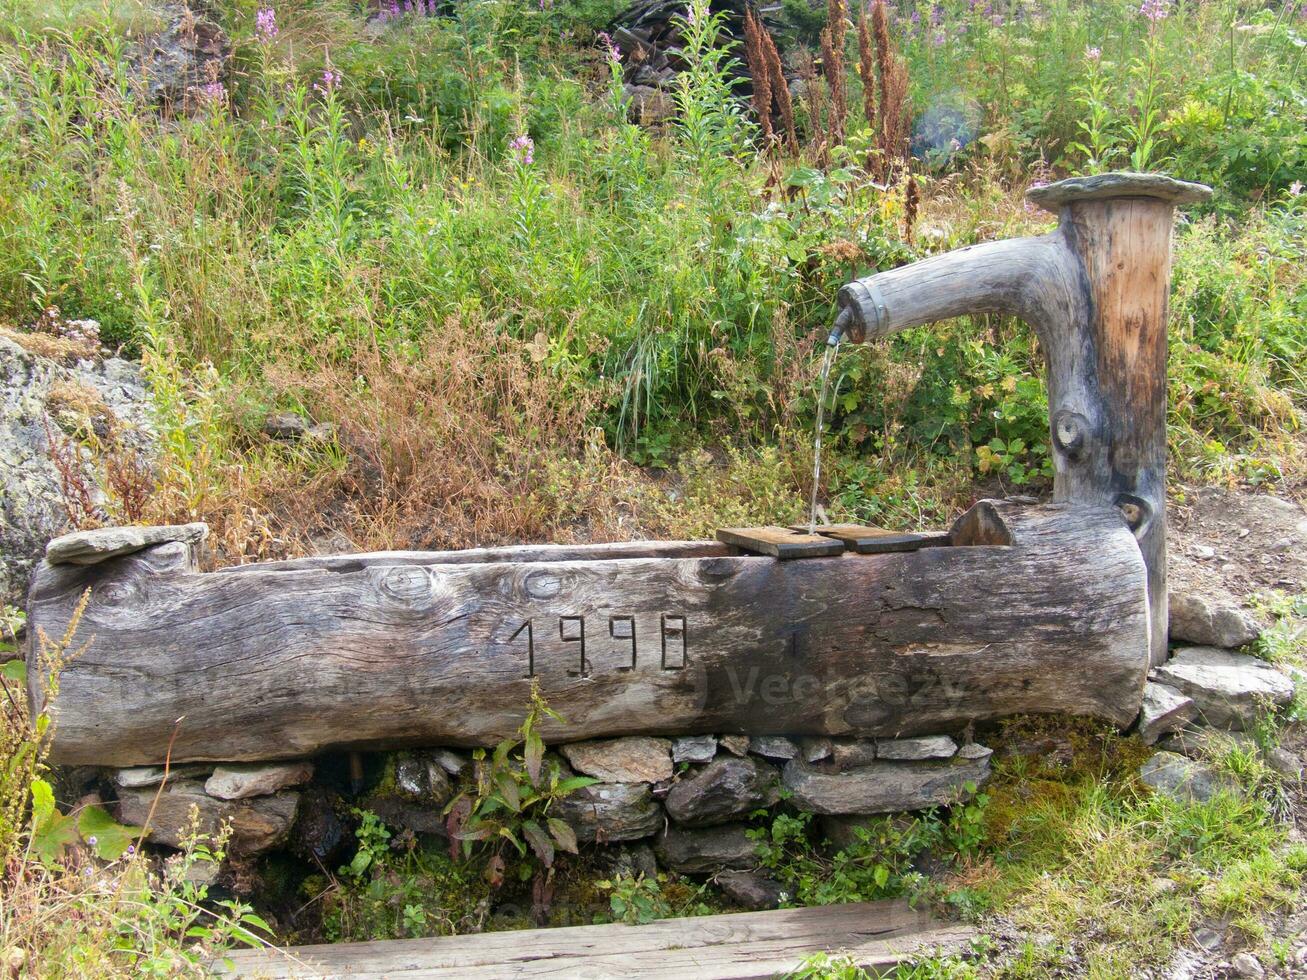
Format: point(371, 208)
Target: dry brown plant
point(758, 72)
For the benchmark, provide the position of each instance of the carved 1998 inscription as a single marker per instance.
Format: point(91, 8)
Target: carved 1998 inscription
point(673, 651)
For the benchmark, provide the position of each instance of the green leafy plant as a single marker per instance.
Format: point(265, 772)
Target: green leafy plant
point(515, 785)
point(636, 899)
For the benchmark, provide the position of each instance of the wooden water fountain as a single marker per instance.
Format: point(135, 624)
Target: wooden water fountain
point(1018, 608)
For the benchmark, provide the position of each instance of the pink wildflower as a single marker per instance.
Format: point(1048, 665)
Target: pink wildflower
point(1093, 54)
point(611, 51)
point(265, 24)
point(1155, 11)
point(523, 148)
point(328, 82)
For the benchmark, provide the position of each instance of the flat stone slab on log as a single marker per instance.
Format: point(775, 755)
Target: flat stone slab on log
point(101, 544)
point(877, 936)
point(1121, 184)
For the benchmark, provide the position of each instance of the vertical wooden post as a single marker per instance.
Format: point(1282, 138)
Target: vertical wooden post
point(1096, 292)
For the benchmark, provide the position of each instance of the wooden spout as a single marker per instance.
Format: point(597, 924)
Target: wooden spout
point(1095, 291)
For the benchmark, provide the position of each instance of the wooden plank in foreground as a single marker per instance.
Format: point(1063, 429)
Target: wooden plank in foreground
point(876, 935)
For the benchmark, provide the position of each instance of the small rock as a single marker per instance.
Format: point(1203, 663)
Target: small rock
point(628, 861)
point(318, 832)
point(258, 824)
point(1163, 886)
point(916, 749)
point(750, 890)
point(611, 812)
point(722, 790)
point(286, 426)
point(773, 747)
point(735, 744)
point(841, 830)
point(1246, 965)
point(93, 547)
point(1209, 620)
point(137, 777)
point(851, 753)
point(421, 777)
point(1204, 743)
point(401, 813)
point(452, 762)
point(1164, 710)
point(815, 749)
point(974, 752)
point(1202, 551)
point(242, 781)
point(882, 786)
point(694, 748)
point(635, 759)
point(707, 850)
point(1230, 689)
point(1184, 779)
point(1284, 762)
point(1208, 938)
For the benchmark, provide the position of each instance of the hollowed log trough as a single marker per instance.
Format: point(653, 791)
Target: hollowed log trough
point(1025, 609)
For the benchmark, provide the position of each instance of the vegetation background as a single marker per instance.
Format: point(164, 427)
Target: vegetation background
point(526, 317)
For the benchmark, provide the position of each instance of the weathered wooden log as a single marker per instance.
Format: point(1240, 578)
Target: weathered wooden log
point(1042, 609)
point(1095, 291)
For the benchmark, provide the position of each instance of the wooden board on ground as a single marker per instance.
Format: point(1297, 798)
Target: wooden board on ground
point(875, 935)
point(779, 542)
point(867, 540)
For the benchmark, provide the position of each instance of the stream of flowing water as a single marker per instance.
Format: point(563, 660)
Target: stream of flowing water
point(826, 362)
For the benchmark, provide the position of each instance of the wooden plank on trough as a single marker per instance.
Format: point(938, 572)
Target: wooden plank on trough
point(780, 542)
point(876, 935)
point(866, 540)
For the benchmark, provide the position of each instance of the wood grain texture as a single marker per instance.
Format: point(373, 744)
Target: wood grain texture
point(1095, 291)
point(286, 663)
point(876, 935)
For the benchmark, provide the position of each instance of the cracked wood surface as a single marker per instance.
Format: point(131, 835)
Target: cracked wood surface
point(291, 659)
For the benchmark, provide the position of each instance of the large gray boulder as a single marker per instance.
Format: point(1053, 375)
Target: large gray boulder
point(106, 394)
point(1230, 689)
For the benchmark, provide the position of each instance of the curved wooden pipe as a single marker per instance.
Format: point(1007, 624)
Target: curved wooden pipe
point(1095, 291)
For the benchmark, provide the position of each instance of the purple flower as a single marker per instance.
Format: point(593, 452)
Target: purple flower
point(265, 24)
point(523, 148)
point(131, 849)
point(915, 18)
point(92, 840)
point(938, 38)
point(328, 82)
point(1155, 10)
point(611, 51)
point(936, 15)
point(1093, 54)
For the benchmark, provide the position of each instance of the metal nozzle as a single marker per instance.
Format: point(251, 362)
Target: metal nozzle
point(841, 324)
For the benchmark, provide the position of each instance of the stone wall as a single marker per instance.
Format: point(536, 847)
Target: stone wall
point(668, 804)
